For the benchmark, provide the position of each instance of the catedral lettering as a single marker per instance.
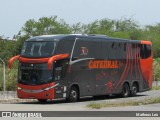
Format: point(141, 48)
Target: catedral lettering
point(73, 66)
point(94, 64)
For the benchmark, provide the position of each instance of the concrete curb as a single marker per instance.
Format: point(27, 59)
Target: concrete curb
point(11, 97)
point(14, 100)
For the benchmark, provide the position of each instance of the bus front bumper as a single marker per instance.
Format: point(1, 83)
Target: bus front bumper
point(45, 91)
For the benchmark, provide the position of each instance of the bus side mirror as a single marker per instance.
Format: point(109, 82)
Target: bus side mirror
point(54, 58)
point(10, 62)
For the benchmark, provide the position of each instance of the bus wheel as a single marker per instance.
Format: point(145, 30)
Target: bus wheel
point(73, 94)
point(134, 89)
point(125, 90)
point(42, 100)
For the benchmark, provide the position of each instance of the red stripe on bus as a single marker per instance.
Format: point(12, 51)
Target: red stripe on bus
point(129, 59)
point(136, 62)
point(139, 69)
point(124, 70)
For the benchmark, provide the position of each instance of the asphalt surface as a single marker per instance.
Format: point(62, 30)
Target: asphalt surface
point(61, 105)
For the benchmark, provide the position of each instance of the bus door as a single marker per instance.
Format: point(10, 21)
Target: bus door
point(58, 77)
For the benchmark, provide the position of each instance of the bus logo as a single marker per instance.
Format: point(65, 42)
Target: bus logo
point(84, 50)
point(95, 64)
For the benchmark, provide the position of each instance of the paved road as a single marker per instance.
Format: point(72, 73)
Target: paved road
point(61, 105)
point(81, 106)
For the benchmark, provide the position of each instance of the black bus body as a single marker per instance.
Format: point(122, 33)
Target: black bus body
point(93, 65)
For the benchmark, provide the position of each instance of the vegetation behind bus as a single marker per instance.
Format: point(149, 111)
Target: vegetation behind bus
point(122, 28)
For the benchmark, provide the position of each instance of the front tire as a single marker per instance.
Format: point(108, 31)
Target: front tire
point(73, 95)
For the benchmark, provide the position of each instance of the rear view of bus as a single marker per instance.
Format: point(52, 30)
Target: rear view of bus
point(146, 59)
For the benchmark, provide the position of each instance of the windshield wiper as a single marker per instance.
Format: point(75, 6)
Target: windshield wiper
point(44, 81)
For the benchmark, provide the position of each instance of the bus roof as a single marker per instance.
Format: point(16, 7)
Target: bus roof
point(62, 36)
point(58, 37)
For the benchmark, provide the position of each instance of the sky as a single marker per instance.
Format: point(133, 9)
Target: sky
point(14, 13)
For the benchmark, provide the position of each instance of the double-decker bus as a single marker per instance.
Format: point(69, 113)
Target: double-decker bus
point(73, 66)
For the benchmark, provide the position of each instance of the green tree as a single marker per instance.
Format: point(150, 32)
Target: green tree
point(153, 33)
point(123, 28)
point(125, 24)
point(78, 28)
point(126, 28)
point(45, 26)
point(104, 26)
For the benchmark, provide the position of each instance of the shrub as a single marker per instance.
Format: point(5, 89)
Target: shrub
point(11, 79)
point(156, 70)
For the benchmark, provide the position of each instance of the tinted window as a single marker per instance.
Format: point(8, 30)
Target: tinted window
point(64, 46)
point(34, 74)
point(60, 70)
point(145, 51)
point(117, 50)
point(38, 49)
point(58, 73)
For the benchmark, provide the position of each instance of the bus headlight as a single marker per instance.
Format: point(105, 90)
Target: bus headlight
point(19, 88)
point(65, 88)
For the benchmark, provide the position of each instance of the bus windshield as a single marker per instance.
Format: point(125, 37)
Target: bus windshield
point(38, 48)
point(34, 74)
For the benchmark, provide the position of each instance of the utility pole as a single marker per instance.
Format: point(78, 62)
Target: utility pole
point(4, 78)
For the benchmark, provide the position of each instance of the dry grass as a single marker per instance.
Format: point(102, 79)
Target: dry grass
point(94, 105)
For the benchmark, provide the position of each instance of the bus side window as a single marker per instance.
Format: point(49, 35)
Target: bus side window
point(145, 51)
point(58, 73)
point(117, 50)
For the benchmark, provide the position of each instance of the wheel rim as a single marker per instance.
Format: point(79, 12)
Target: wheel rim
point(74, 94)
point(134, 90)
